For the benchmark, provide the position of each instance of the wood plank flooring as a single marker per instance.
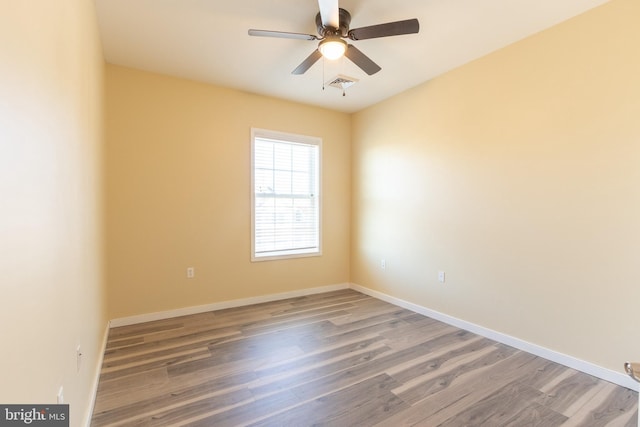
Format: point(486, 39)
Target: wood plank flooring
point(338, 359)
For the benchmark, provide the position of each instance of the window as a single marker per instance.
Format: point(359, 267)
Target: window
point(286, 195)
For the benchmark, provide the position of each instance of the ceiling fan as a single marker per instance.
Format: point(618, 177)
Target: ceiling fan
point(333, 26)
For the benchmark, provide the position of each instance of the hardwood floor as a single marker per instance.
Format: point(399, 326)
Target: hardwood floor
point(338, 359)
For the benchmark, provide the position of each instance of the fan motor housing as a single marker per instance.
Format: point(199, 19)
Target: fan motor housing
point(345, 21)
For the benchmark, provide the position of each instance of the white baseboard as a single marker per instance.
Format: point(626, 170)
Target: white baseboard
point(96, 378)
point(597, 371)
point(132, 320)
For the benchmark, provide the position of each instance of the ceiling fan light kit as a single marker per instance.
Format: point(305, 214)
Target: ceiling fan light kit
point(332, 48)
point(333, 26)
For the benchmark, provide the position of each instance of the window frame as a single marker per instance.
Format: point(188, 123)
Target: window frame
point(257, 133)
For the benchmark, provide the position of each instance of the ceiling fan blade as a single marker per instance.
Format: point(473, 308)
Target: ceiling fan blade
point(307, 63)
point(362, 60)
point(329, 13)
point(409, 26)
point(282, 35)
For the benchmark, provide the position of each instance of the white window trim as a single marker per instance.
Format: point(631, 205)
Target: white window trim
point(294, 138)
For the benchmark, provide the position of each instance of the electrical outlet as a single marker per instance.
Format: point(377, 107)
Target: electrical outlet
point(383, 264)
point(191, 272)
point(441, 276)
point(60, 395)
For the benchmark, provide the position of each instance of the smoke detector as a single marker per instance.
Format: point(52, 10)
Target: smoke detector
point(341, 82)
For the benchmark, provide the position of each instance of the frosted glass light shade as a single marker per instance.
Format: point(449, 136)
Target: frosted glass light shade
point(332, 48)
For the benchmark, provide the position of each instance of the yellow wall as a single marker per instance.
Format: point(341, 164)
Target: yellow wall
point(519, 176)
point(51, 292)
point(178, 194)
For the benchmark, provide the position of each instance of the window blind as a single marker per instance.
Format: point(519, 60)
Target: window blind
point(286, 215)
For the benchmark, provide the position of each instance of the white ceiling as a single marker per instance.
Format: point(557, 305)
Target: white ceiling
point(207, 40)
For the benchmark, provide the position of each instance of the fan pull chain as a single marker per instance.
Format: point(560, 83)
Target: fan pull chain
point(323, 73)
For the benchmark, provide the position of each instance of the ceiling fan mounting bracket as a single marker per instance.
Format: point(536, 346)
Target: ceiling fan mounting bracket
point(343, 31)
